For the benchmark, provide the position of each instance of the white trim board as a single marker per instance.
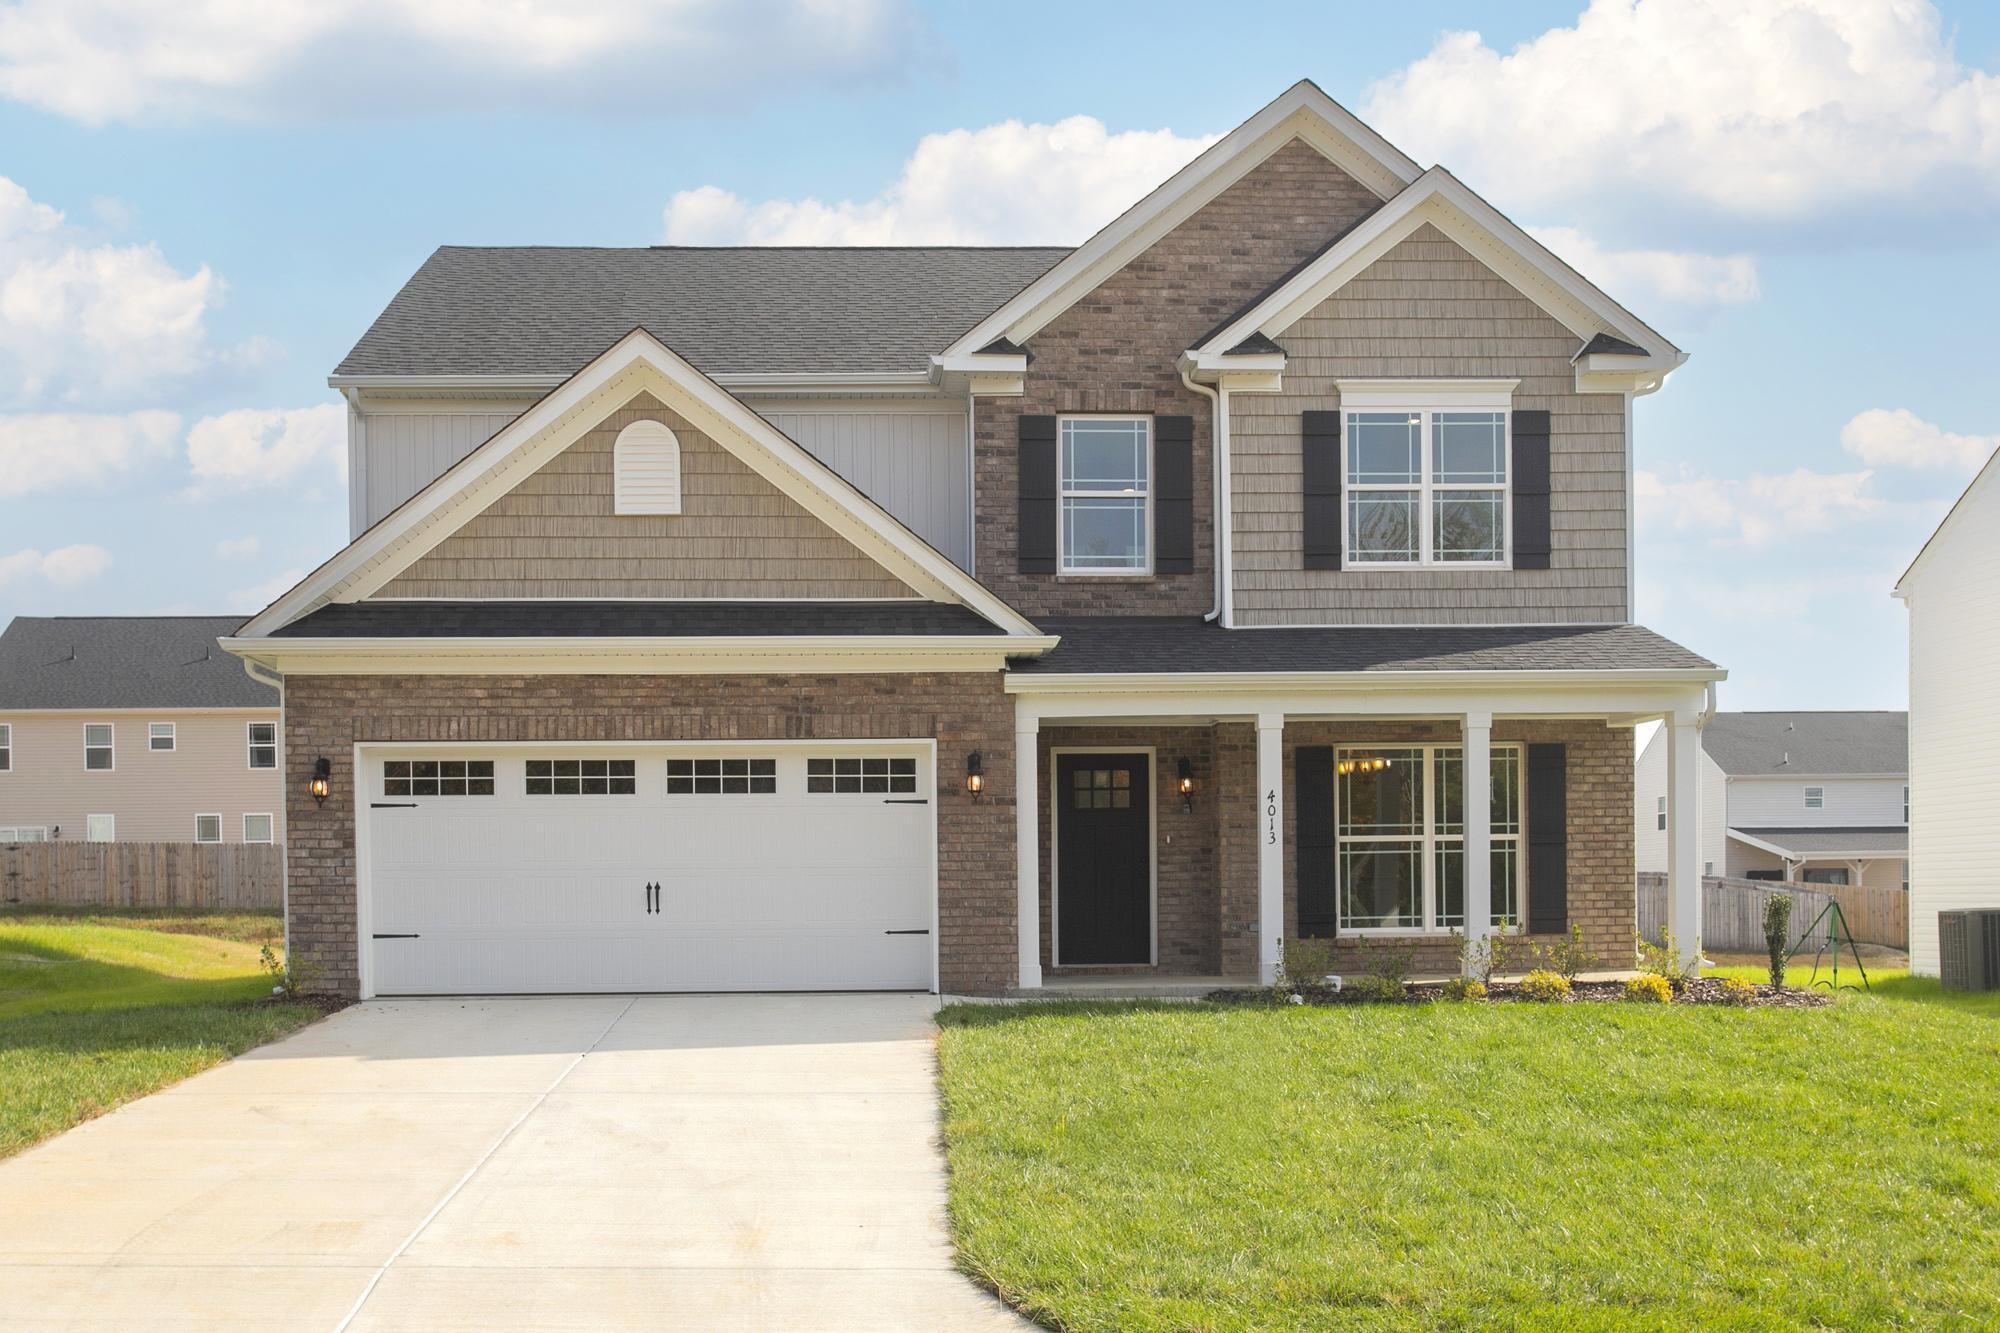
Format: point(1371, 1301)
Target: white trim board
point(1152, 849)
point(722, 654)
point(636, 363)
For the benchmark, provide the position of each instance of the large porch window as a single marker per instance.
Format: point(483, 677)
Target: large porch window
point(1400, 825)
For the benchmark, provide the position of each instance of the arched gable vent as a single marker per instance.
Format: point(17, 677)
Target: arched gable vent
point(647, 463)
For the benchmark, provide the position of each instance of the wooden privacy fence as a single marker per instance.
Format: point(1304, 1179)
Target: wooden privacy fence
point(202, 875)
point(1732, 911)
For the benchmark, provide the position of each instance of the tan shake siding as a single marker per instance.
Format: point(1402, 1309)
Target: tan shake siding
point(154, 795)
point(556, 535)
point(1428, 309)
point(329, 715)
point(1114, 351)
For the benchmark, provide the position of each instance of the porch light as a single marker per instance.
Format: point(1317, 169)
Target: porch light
point(975, 775)
point(322, 779)
point(1186, 786)
point(1366, 764)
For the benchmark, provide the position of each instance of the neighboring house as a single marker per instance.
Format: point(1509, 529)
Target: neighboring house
point(1818, 797)
point(1953, 598)
point(975, 619)
point(135, 729)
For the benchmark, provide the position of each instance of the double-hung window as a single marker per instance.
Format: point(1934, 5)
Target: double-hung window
point(1105, 486)
point(98, 754)
point(1815, 798)
point(1400, 823)
point(7, 751)
point(160, 736)
point(263, 737)
point(1426, 472)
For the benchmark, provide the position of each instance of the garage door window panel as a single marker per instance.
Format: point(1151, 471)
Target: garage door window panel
point(841, 775)
point(437, 777)
point(583, 777)
point(722, 777)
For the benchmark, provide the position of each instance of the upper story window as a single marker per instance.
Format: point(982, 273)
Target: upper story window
point(1906, 796)
point(1426, 486)
point(1660, 812)
point(1815, 798)
point(6, 747)
point(98, 755)
point(263, 744)
point(1106, 494)
point(646, 465)
point(160, 736)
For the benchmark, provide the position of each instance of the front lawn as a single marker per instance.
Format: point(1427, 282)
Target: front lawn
point(96, 1009)
point(1582, 1166)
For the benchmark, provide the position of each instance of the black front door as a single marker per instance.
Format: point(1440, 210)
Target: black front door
point(1104, 892)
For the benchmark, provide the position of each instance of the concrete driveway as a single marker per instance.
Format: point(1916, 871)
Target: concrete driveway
point(666, 1161)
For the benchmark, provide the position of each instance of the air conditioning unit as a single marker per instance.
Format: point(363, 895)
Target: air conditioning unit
point(1969, 949)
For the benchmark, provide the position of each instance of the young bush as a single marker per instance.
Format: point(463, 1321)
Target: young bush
point(1478, 959)
point(1647, 988)
point(292, 978)
point(1462, 990)
point(1566, 957)
point(1544, 986)
point(1373, 989)
point(1777, 929)
point(1392, 963)
point(1664, 960)
point(1305, 963)
point(1735, 990)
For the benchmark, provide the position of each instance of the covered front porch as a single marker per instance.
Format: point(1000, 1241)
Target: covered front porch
point(1175, 829)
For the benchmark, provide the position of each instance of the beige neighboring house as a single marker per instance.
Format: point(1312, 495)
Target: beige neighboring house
point(135, 729)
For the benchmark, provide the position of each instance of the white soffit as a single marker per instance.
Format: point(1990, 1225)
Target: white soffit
point(636, 363)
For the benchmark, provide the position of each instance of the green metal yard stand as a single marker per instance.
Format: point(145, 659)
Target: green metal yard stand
point(1836, 930)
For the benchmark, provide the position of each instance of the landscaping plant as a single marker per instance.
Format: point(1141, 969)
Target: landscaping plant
point(1777, 930)
point(1304, 963)
point(1648, 988)
point(1544, 986)
point(1462, 989)
point(1735, 990)
point(1664, 960)
point(1566, 957)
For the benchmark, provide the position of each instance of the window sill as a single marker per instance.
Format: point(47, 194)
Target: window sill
point(1121, 576)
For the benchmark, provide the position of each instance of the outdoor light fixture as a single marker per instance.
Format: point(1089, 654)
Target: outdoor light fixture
point(1368, 764)
point(322, 779)
point(975, 774)
point(1186, 785)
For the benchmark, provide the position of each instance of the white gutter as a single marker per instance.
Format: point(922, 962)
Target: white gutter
point(1218, 433)
point(1338, 682)
point(891, 381)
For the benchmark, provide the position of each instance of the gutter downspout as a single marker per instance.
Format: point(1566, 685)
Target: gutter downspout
point(1218, 433)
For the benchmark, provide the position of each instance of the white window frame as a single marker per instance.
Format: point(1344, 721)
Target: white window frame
point(1426, 398)
point(90, 832)
point(1431, 841)
point(171, 736)
point(1065, 495)
point(1815, 798)
point(270, 827)
point(1660, 813)
point(251, 745)
point(6, 747)
point(14, 834)
point(1906, 804)
point(111, 746)
point(206, 842)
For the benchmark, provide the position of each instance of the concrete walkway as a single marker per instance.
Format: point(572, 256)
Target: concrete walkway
point(604, 1162)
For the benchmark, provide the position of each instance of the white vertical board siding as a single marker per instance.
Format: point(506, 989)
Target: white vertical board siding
point(1954, 599)
point(915, 464)
point(1649, 784)
point(398, 453)
point(1714, 814)
point(1847, 802)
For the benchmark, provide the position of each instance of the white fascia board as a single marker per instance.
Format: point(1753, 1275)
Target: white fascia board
point(982, 363)
point(1205, 366)
point(1614, 703)
point(1761, 845)
point(1303, 111)
point(637, 655)
point(868, 381)
point(445, 382)
point(636, 362)
point(1441, 199)
point(1348, 682)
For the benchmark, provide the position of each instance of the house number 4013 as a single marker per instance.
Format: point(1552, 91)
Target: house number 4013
point(1270, 816)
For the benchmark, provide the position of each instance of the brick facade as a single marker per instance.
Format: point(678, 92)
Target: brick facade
point(1115, 350)
point(329, 715)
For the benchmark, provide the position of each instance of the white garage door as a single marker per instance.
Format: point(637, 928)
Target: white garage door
point(757, 867)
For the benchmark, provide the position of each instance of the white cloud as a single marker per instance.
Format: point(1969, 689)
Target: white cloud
point(1769, 109)
point(65, 567)
point(55, 450)
point(237, 548)
point(260, 595)
point(1678, 276)
point(137, 60)
point(254, 447)
point(1759, 510)
point(1007, 183)
point(1901, 438)
point(82, 321)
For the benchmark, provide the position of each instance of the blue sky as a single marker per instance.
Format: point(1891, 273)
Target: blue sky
point(196, 222)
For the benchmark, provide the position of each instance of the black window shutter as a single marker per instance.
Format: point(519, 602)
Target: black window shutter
point(1312, 794)
point(1320, 454)
point(1173, 495)
point(1036, 460)
point(1548, 839)
point(1531, 490)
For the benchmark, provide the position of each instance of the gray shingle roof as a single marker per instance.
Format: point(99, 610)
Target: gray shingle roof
point(1167, 645)
point(1803, 842)
point(124, 662)
point(1808, 744)
point(495, 310)
point(522, 620)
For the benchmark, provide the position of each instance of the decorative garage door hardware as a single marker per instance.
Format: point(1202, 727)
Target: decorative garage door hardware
point(907, 800)
point(652, 899)
point(392, 805)
point(906, 932)
point(398, 937)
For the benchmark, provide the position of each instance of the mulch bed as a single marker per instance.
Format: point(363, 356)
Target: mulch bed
point(326, 1004)
point(1707, 990)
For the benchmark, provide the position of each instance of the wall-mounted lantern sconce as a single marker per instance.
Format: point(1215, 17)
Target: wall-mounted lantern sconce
point(975, 774)
point(322, 779)
point(1186, 785)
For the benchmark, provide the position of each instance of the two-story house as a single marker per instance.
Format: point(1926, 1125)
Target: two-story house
point(1815, 797)
point(977, 619)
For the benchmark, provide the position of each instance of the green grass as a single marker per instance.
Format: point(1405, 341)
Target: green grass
point(99, 1008)
point(1587, 1166)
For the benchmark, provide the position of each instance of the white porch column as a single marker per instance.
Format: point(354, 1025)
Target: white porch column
point(1478, 826)
point(1270, 844)
point(1684, 833)
point(1028, 850)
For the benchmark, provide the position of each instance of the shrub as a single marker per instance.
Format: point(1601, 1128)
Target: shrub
point(1373, 989)
point(1735, 990)
point(1478, 959)
point(292, 977)
point(1391, 963)
point(1777, 929)
point(1305, 963)
point(1649, 988)
point(1566, 957)
point(1544, 986)
point(1664, 960)
point(1460, 989)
